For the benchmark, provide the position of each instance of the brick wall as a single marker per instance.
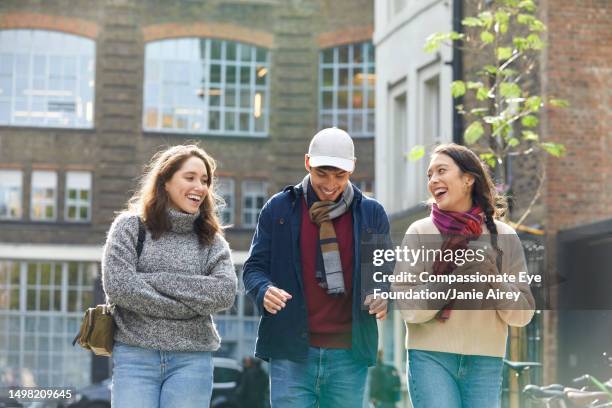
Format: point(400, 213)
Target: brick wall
point(579, 189)
point(117, 148)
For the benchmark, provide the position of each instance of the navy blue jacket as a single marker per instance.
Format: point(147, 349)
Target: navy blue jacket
point(274, 259)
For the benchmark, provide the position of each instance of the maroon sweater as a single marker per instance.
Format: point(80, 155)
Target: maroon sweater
point(329, 317)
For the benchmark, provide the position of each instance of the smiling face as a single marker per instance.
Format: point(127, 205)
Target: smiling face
point(449, 186)
point(327, 183)
point(188, 186)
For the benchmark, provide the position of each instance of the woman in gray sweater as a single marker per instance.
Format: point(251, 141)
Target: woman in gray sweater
point(164, 297)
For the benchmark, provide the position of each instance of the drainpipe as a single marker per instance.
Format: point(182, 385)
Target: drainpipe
point(457, 64)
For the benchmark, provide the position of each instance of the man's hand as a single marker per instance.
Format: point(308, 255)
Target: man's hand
point(275, 299)
point(377, 306)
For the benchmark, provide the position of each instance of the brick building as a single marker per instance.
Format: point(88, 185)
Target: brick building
point(89, 91)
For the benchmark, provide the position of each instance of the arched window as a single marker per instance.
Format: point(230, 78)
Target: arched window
point(46, 79)
point(346, 88)
point(210, 86)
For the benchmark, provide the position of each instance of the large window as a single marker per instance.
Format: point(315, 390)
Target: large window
point(44, 196)
point(254, 195)
point(41, 305)
point(346, 92)
point(78, 196)
point(225, 188)
point(46, 79)
point(10, 194)
point(207, 86)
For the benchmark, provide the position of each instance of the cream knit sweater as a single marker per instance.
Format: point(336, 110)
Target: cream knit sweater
point(471, 332)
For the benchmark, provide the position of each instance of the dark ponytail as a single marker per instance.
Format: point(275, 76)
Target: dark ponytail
point(484, 193)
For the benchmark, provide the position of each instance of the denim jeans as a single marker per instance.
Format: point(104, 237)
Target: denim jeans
point(451, 380)
point(160, 379)
point(328, 378)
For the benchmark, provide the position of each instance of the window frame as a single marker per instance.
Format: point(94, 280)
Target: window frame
point(58, 73)
point(206, 89)
point(44, 201)
point(253, 195)
point(19, 186)
point(329, 116)
point(78, 203)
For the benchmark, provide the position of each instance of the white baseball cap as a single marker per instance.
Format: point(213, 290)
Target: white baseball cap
point(332, 147)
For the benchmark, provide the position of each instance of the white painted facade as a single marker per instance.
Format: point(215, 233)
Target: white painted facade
point(413, 107)
point(413, 99)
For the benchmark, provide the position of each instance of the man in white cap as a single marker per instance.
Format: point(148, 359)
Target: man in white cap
point(318, 328)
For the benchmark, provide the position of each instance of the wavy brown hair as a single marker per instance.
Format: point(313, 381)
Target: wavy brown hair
point(484, 193)
point(151, 201)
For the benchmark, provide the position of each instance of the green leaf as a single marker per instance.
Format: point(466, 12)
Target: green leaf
point(530, 121)
point(473, 133)
point(416, 153)
point(513, 142)
point(486, 37)
point(559, 103)
point(530, 136)
point(487, 18)
point(501, 127)
point(508, 72)
point(489, 158)
point(472, 22)
point(458, 89)
point(504, 53)
point(554, 149)
point(528, 5)
point(510, 90)
point(535, 42)
point(491, 69)
point(537, 25)
point(524, 18)
point(520, 43)
point(434, 40)
point(482, 94)
point(502, 17)
point(533, 103)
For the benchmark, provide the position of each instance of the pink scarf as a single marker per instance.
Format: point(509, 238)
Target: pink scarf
point(458, 229)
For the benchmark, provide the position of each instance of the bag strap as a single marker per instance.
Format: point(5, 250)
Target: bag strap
point(142, 234)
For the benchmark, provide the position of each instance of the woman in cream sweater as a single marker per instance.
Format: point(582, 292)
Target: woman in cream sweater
point(456, 346)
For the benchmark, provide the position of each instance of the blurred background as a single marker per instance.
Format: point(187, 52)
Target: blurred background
point(90, 90)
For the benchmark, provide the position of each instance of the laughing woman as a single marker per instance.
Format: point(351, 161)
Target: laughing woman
point(455, 355)
point(165, 293)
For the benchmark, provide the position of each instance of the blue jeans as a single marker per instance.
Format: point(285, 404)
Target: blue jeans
point(454, 380)
point(328, 378)
point(160, 379)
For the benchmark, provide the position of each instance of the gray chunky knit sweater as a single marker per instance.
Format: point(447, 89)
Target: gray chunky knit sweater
point(165, 298)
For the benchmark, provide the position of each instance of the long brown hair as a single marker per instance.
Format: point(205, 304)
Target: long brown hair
point(484, 193)
point(151, 200)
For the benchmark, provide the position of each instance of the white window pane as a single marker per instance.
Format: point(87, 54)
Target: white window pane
point(44, 179)
point(204, 85)
point(43, 196)
point(39, 64)
point(10, 194)
point(346, 88)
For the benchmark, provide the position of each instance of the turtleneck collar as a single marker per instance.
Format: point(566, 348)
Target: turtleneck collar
point(181, 222)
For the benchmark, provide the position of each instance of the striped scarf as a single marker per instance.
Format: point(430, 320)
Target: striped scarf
point(458, 229)
point(329, 267)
